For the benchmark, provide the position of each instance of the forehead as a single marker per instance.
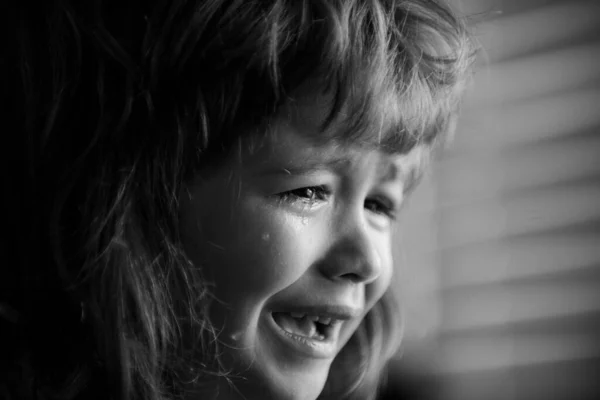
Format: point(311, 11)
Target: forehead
point(360, 120)
point(294, 144)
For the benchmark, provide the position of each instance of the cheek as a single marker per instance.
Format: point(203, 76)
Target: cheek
point(375, 290)
point(253, 253)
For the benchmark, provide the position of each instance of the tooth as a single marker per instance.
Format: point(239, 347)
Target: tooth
point(297, 315)
point(312, 331)
point(313, 318)
point(325, 320)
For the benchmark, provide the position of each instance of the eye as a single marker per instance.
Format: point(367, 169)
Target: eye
point(382, 206)
point(307, 195)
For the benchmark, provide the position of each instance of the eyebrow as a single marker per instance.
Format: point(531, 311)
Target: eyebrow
point(310, 166)
point(409, 170)
point(413, 177)
point(410, 175)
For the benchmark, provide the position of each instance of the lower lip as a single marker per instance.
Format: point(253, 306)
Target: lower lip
point(312, 348)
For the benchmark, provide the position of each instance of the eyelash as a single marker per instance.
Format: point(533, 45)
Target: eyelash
point(383, 207)
point(308, 195)
point(312, 194)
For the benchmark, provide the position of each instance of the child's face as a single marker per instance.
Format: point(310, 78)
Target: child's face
point(294, 231)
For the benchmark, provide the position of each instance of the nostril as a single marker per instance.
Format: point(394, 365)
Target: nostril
point(354, 257)
point(355, 278)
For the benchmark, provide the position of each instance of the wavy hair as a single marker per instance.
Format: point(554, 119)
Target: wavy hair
point(117, 104)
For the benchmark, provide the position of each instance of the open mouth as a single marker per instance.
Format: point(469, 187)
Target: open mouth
point(302, 325)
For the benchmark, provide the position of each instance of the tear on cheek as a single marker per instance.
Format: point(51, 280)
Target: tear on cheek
point(265, 237)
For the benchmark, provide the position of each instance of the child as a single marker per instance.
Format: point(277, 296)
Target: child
point(209, 192)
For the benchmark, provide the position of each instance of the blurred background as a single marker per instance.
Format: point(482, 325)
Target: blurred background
point(500, 245)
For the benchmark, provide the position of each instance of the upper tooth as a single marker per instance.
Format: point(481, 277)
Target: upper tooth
point(314, 318)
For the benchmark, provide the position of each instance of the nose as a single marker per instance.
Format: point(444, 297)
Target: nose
point(355, 255)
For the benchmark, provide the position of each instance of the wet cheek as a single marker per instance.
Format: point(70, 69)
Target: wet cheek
point(281, 252)
point(269, 252)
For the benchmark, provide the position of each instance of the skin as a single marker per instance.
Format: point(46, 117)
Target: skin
point(295, 221)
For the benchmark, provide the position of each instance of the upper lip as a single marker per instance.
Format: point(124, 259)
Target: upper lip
point(333, 311)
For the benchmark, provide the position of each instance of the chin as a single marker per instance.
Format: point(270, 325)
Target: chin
point(296, 390)
point(301, 388)
point(281, 381)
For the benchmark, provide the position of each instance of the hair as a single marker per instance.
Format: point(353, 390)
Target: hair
point(116, 105)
